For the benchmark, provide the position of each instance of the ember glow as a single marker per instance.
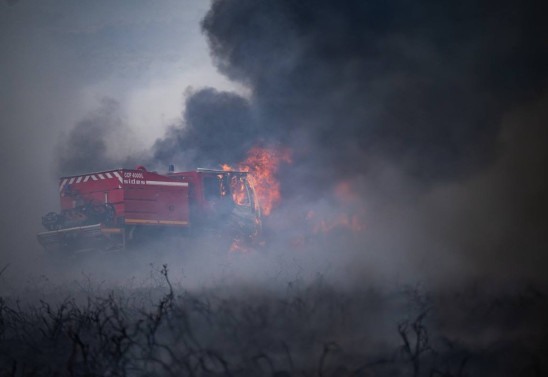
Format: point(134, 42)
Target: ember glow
point(349, 213)
point(263, 164)
point(341, 220)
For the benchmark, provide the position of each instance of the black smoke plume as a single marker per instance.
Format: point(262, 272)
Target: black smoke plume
point(219, 127)
point(402, 98)
point(434, 112)
point(421, 84)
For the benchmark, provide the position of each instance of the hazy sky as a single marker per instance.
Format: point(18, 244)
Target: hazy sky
point(60, 58)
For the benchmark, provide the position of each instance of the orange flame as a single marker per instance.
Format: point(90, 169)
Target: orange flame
point(263, 164)
point(239, 191)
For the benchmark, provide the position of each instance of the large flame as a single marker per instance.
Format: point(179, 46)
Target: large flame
point(263, 164)
point(344, 212)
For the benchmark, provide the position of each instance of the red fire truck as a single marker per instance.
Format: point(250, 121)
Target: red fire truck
point(112, 208)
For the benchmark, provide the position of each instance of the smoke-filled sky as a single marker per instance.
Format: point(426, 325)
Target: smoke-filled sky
point(433, 114)
point(112, 67)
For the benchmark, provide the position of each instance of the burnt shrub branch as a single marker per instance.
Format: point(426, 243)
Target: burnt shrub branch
point(307, 330)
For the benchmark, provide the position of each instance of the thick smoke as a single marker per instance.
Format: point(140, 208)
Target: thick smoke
point(219, 128)
point(423, 85)
point(432, 114)
point(409, 102)
point(418, 85)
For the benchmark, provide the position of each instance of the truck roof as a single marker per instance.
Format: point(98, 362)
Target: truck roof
point(198, 170)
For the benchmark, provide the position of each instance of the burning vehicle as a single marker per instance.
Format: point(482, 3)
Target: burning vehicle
point(114, 208)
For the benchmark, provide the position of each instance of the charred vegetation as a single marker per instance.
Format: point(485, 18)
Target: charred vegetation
point(306, 330)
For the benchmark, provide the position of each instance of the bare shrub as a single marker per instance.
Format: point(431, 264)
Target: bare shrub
point(309, 330)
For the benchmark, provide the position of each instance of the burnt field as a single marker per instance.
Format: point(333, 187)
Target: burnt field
point(159, 327)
